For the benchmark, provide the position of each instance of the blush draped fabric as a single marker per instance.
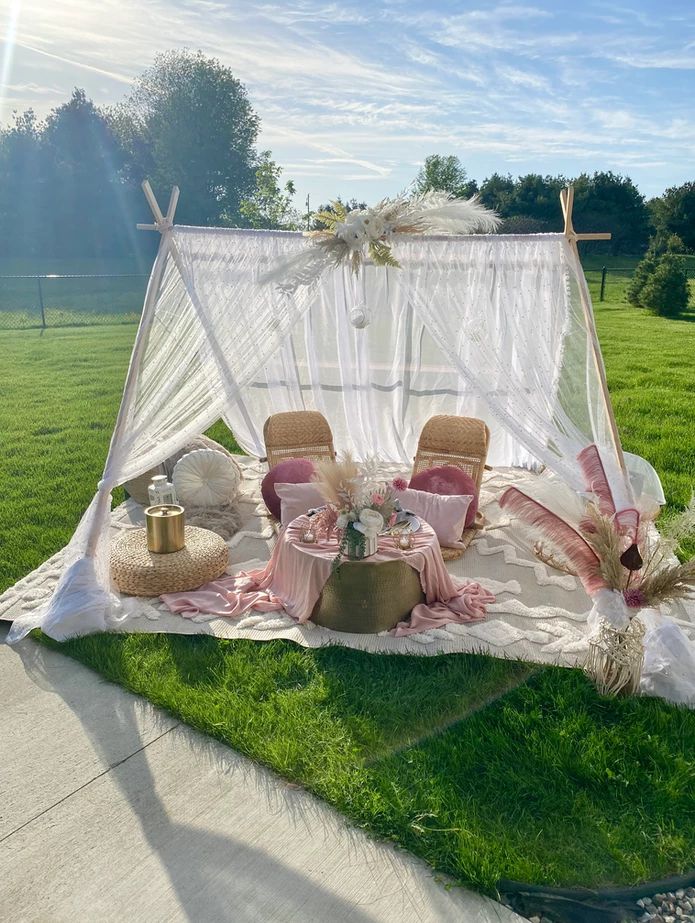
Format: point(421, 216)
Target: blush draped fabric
point(296, 574)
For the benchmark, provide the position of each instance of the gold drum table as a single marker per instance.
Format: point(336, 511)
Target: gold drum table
point(139, 572)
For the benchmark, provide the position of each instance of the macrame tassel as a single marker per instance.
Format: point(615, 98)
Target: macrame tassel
point(575, 549)
point(616, 657)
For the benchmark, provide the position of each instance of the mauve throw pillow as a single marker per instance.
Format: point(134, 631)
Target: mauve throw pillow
point(448, 480)
point(289, 471)
point(446, 513)
point(297, 499)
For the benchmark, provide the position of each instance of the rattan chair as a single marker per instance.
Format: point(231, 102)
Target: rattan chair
point(461, 441)
point(297, 434)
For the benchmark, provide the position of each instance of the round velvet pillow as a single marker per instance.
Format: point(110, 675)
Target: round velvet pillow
point(448, 480)
point(289, 471)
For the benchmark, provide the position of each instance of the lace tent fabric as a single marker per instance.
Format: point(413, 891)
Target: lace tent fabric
point(487, 326)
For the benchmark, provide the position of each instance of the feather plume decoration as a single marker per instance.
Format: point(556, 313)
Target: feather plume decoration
point(629, 521)
point(595, 479)
point(438, 212)
point(339, 481)
point(575, 549)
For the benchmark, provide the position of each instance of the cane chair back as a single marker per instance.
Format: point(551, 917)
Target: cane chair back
point(298, 434)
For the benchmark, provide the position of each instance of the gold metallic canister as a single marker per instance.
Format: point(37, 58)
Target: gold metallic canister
point(165, 528)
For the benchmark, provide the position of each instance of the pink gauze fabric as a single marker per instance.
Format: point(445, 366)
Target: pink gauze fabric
point(445, 513)
point(297, 499)
point(296, 574)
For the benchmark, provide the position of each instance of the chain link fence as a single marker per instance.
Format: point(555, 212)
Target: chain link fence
point(51, 300)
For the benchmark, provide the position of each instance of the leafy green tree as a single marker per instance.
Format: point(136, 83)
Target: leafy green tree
point(61, 191)
point(348, 204)
point(665, 291)
point(189, 122)
point(82, 160)
point(497, 192)
point(607, 201)
point(674, 213)
point(644, 269)
point(22, 186)
point(538, 197)
point(270, 205)
point(447, 174)
point(659, 245)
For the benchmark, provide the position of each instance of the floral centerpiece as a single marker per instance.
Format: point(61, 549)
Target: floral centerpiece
point(623, 564)
point(359, 506)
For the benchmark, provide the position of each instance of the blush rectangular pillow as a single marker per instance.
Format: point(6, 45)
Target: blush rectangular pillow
point(445, 513)
point(296, 499)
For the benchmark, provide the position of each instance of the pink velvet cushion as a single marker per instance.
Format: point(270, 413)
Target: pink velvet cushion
point(445, 513)
point(448, 480)
point(297, 499)
point(289, 471)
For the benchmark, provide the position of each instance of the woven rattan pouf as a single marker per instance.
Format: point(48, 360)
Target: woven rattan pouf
point(367, 598)
point(139, 572)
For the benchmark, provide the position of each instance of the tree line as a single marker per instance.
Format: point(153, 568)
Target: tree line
point(70, 183)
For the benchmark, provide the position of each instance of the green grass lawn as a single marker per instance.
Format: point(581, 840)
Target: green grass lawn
point(485, 768)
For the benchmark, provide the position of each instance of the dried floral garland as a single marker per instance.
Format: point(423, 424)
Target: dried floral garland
point(348, 236)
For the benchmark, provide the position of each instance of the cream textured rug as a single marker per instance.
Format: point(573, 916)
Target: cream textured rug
point(540, 613)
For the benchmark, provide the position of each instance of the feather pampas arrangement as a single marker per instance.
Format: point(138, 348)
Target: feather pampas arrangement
point(568, 540)
point(348, 235)
point(619, 562)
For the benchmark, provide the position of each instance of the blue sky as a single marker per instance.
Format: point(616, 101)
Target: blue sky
point(354, 95)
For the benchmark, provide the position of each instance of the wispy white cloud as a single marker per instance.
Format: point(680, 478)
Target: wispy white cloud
point(351, 92)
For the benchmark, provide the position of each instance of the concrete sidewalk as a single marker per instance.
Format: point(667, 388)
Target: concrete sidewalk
point(112, 811)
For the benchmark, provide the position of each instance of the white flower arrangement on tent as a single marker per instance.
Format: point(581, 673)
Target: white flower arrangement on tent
point(349, 236)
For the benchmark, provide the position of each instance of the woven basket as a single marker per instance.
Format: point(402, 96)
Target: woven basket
point(297, 434)
point(366, 598)
point(139, 572)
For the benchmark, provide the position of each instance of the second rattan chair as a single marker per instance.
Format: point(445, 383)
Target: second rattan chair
point(462, 441)
point(298, 434)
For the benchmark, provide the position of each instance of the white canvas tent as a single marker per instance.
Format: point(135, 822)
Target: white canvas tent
point(494, 326)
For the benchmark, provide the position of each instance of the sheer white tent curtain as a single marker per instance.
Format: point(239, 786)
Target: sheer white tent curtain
point(377, 385)
point(505, 311)
point(192, 357)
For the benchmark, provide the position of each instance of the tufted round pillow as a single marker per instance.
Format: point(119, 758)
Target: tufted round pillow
point(206, 477)
point(137, 488)
point(448, 480)
point(200, 442)
point(289, 471)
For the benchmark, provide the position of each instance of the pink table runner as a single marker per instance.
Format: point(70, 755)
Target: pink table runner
point(296, 574)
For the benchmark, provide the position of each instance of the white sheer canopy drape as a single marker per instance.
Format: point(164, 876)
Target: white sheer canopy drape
point(489, 326)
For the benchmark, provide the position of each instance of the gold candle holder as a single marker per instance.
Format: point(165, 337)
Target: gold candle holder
point(165, 528)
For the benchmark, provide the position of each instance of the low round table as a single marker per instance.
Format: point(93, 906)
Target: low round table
point(363, 597)
point(139, 572)
point(367, 597)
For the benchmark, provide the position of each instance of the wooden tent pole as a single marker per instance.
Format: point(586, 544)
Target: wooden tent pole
point(163, 222)
point(567, 203)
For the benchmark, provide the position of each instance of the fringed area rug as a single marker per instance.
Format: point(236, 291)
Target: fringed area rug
point(540, 614)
